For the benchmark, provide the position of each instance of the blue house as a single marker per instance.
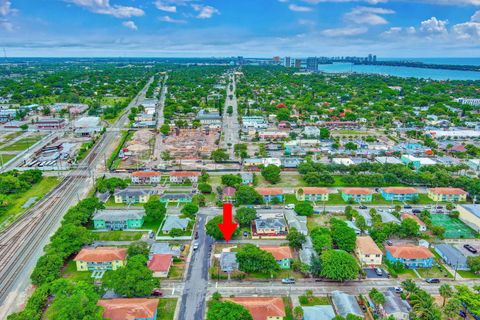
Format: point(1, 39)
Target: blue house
point(399, 194)
point(410, 256)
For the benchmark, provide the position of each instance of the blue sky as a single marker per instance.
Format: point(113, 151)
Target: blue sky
point(252, 28)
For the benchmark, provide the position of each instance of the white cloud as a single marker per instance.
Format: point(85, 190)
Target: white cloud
point(5, 11)
point(399, 31)
point(307, 22)
point(345, 1)
point(368, 15)
point(104, 7)
point(5, 8)
point(171, 20)
point(434, 26)
point(130, 25)
point(344, 32)
point(205, 12)
point(297, 8)
point(467, 31)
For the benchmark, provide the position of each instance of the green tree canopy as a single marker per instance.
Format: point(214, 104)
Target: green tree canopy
point(253, 259)
point(339, 265)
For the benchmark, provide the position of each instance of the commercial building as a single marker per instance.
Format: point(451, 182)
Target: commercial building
point(312, 194)
point(367, 251)
point(129, 309)
point(447, 194)
point(399, 194)
point(100, 259)
point(357, 194)
point(410, 256)
point(211, 118)
point(50, 123)
point(115, 219)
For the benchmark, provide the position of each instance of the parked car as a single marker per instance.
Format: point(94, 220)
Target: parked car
point(470, 248)
point(182, 247)
point(407, 206)
point(389, 243)
point(245, 234)
point(195, 246)
point(196, 234)
point(432, 280)
point(363, 207)
point(151, 234)
point(290, 206)
point(398, 290)
point(288, 281)
point(157, 293)
point(379, 272)
point(416, 211)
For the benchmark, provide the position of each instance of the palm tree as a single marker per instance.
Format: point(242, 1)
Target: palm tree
point(410, 286)
point(452, 308)
point(446, 292)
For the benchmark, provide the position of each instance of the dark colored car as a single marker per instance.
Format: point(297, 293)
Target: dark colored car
point(363, 207)
point(157, 293)
point(407, 206)
point(416, 211)
point(196, 234)
point(432, 280)
point(470, 248)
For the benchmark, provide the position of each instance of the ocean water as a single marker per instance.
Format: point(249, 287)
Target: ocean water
point(408, 72)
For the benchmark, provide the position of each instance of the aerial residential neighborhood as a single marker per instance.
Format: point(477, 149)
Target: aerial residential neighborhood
point(171, 181)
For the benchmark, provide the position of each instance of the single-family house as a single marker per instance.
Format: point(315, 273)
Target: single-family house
point(410, 256)
point(129, 309)
point(262, 308)
point(118, 219)
point(367, 251)
point(282, 254)
point(184, 176)
point(447, 194)
point(470, 214)
point(452, 256)
point(271, 194)
point(399, 193)
point(132, 195)
point(297, 222)
point(346, 304)
point(269, 227)
point(421, 224)
point(357, 194)
point(100, 258)
point(323, 312)
point(228, 261)
point(396, 307)
point(145, 177)
point(164, 248)
point(160, 265)
point(175, 222)
point(312, 194)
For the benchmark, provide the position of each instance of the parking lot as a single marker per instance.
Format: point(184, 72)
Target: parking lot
point(371, 274)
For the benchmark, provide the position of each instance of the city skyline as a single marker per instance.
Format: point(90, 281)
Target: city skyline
point(199, 28)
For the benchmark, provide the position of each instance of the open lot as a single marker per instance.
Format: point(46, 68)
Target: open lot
point(23, 143)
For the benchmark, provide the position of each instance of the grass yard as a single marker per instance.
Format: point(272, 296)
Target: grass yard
point(111, 203)
point(308, 301)
point(166, 308)
point(434, 272)
point(468, 274)
point(70, 272)
point(407, 274)
point(23, 144)
point(118, 236)
point(288, 308)
point(38, 190)
point(5, 157)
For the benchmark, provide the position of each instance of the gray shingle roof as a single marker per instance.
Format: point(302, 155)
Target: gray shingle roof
point(130, 192)
point(394, 304)
point(174, 222)
point(228, 261)
point(346, 304)
point(318, 313)
point(452, 256)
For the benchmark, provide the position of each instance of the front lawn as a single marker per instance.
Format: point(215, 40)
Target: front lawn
point(70, 272)
point(166, 308)
point(308, 301)
point(118, 236)
point(468, 274)
point(437, 271)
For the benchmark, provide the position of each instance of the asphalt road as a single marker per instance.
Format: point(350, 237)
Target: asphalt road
point(21, 245)
point(195, 287)
point(230, 122)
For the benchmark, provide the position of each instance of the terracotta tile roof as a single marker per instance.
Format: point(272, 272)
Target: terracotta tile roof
point(184, 174)
point(357, 191)
point(129, 309)
point(411, 216)
point(160, 262)
point(409, 252)
point(145, 174)
point(366, 245)
point(313, 190)
point(101, 254)
point(279, 253)
point(400, 190)
point(269, 191)
point(261, 308)
point(447, 191)
point(229, 191)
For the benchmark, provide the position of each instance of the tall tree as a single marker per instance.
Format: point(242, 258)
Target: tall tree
point(339, 265)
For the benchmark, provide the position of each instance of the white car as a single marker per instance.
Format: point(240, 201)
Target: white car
point(290, 206)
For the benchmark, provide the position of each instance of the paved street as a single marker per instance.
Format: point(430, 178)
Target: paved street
point(195, 288)
point(161, 118)
point(230, 122)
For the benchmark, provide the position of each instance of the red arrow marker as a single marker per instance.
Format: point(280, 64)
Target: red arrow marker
point(227, 227)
